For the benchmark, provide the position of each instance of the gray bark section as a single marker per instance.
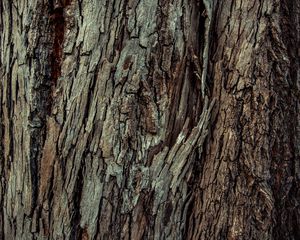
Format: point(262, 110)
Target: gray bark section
point(104, 127)
point(98, 141)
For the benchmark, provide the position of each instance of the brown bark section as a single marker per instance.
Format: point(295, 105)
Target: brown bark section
point(106, 133)
point(248, 188)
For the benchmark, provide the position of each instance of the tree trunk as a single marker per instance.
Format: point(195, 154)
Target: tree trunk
point(149, 119)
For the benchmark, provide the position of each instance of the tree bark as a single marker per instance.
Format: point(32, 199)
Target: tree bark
point(149, 119)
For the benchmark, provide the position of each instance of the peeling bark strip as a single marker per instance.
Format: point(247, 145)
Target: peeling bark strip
point(149, 119)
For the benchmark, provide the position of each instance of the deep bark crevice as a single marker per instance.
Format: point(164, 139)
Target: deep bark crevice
point(77, 232)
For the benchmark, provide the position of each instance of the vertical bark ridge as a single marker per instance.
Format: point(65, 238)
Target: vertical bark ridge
point(285, 154)
point(248, 163)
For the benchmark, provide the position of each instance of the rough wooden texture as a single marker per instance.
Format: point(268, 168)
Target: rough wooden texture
point(249, 184)
point(150, 119)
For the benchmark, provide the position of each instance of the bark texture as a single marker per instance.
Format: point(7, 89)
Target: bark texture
point(149, 119)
